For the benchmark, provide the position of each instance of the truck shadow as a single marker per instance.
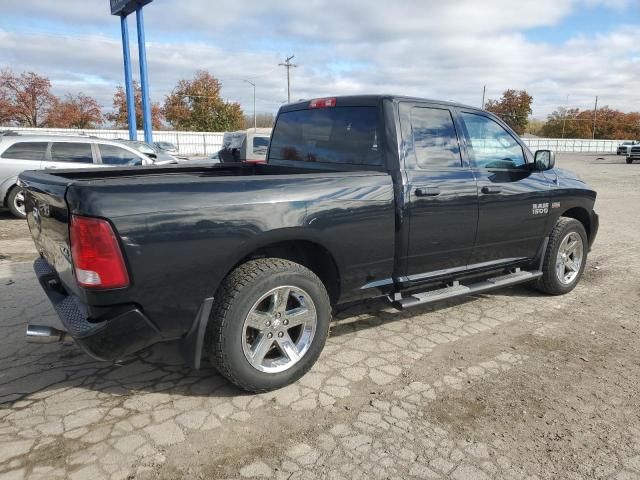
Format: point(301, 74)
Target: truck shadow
point(36, 369)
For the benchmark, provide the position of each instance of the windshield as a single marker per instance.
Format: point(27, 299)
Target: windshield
point(345, 135)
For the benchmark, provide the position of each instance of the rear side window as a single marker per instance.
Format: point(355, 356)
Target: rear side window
point(491, 145)
point(71, 152)
point(112, 155)
point(26, 151)
point(260, 145)
point(343, 135)
point(434, 138)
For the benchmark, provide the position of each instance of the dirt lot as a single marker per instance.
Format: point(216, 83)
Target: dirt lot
point(513, 384)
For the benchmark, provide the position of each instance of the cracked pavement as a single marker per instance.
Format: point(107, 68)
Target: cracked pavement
point(511, 384)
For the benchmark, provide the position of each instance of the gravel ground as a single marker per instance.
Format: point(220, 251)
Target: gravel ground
point(511, 384)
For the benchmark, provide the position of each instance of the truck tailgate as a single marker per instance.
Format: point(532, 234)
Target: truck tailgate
point(48, 220)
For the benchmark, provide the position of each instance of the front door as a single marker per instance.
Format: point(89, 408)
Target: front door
point(513, 199)
point(440, 192)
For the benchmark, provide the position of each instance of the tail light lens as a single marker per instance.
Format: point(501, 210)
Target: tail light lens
point(97, 257)
point(322, 103)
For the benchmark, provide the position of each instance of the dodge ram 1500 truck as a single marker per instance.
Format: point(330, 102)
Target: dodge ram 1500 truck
point(407, 199)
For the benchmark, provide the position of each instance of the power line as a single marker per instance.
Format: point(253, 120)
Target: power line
point(288, 65)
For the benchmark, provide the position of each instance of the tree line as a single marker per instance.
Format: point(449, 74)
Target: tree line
point(514, 108)
point(26, 100)
point(197, 105)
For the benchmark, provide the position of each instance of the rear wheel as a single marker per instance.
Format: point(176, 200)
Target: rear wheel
point(269, 324)
point(565, 257)
point(15, 202)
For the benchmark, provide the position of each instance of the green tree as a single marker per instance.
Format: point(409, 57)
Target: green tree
point(197, 105)
point(514, 108)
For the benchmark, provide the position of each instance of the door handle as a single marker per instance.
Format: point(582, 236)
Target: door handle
point(427, 191)
point(487, 189)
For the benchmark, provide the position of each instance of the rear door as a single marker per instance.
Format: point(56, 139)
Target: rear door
point(69, 155)
point(440, 193)
point(513, 199)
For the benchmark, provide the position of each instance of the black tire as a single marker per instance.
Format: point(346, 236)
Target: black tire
point(11, 202)
point(629, 160)
point(549, 282)
point(234, 300)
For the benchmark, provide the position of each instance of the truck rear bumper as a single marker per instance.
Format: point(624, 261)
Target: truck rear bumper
point(125, 329)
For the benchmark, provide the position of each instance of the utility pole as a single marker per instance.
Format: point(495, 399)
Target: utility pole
point(254, 104)
point(484, 90)
point(287, 64)
point(595, 112)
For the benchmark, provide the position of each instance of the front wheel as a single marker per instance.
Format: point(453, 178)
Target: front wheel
point(15, 202)
point(629, 160)
point(269, 324)
point(565, 257)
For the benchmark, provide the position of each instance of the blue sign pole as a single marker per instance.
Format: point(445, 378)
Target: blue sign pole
point(128, 82)
point(144, 80)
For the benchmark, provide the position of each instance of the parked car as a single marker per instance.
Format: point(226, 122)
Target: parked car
point(406, 199)
point(29, 152)
point(634, 154)
point(160, 157)
point(625, 147)
point(166, 147)
point(249, 145)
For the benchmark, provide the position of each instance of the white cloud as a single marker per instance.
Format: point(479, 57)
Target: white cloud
point(429, 48)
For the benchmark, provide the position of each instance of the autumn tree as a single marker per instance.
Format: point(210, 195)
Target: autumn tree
point(25, 99)
point(119, 114)
point(514, 108)
point(76, 111)
point(610, 124)
point(197, 105)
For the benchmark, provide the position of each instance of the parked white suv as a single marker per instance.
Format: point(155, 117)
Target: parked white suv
point(36, 152)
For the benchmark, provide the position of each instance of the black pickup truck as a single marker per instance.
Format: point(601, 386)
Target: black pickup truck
point(407, 199)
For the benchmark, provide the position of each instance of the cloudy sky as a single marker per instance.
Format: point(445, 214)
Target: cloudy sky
point(563, 52)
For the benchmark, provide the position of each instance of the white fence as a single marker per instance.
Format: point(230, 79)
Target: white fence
point(572, 145)
point(206, 143)
point(188, 143)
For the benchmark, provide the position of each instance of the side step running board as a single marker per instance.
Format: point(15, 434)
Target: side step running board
point(457, 289)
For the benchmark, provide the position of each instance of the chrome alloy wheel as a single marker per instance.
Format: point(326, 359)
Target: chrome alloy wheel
point(279, 329)
point(570, 258)
point(18, 202)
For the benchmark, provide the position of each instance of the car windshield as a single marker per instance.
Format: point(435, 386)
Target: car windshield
point(345, 135)
point(260, 145)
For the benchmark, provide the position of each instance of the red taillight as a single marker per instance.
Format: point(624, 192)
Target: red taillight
point(97, 258)
point(322, 103)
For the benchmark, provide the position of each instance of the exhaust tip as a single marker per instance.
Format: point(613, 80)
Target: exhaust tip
point(46, 334)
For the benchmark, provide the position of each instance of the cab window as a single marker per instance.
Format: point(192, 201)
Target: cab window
point(491, 145)
point(435, 141)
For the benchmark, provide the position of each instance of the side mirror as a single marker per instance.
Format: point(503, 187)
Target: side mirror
point(152, 155)
point(544, 160)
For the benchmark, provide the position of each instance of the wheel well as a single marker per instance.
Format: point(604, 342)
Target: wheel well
point(313, 256)
point(582, 216)
point(5, 200)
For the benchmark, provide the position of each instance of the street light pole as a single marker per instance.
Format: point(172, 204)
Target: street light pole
point(254, 104)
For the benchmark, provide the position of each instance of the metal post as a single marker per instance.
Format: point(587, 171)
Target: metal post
point(128, 81)
point(595, 112)
point(254, 104)
point(484, 90)
point(144, 80)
